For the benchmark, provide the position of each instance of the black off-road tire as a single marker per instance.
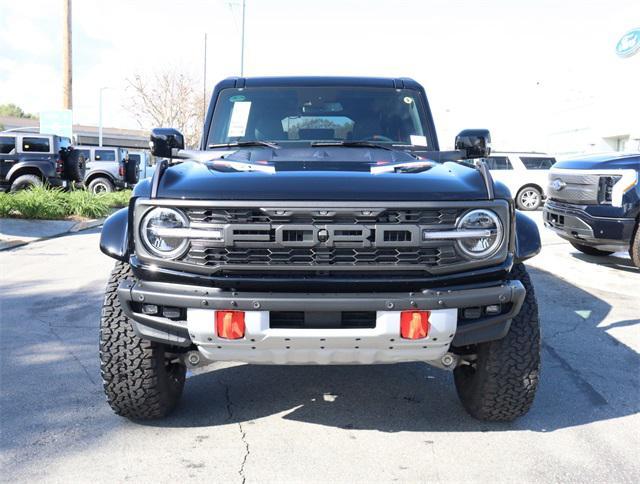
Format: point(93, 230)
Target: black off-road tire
point(101, 185)
point(140, 381)
point(634, 249)
point(75, 165)
point(501, 383)
point(26, 181)
point(586, 249)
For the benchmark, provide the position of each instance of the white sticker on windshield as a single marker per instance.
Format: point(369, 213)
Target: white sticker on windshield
point(239, 118)
point(417, 140)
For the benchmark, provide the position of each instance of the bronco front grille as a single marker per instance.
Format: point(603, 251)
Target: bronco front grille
point(314, 238)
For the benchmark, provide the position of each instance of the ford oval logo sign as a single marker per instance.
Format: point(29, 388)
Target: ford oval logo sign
point(558, 185)
point(629, 44)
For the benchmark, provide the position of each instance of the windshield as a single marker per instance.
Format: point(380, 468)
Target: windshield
point(294, 115)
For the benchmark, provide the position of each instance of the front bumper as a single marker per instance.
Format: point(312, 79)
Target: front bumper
point(263, 344)
point(573, 223)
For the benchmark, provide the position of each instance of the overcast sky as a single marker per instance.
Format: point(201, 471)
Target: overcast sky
point(521, 68)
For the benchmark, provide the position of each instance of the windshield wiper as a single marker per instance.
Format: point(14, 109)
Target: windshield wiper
point(242, 144)
point(352, 144)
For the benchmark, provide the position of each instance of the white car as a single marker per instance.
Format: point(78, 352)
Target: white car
point(525, 174)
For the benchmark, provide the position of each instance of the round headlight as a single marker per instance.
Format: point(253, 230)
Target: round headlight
point(155, 236)
point(486, 222)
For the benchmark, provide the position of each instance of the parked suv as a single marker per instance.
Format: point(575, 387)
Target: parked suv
point(28, 160)
point(320, 224)
point(594, 203)
point(144, 161)
point(524, 173)
point(108, 169)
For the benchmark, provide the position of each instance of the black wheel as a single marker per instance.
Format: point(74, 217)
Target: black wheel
point(75, 165)
point(501, 379)
point(529, 198)
point(26, 181)
point(591, 250)
point(101, 185)
point(141, 378)
point(634, 249)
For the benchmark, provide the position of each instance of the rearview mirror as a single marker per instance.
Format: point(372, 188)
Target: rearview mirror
point(475, 142)
point(164, 140)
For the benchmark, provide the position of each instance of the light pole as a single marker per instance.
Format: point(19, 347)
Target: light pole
point(100, 116)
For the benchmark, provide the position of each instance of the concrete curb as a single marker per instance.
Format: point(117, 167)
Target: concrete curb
point(18, 232)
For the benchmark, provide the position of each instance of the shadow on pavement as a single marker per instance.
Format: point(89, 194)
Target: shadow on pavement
point(620, 263)
point(587, 376)
point(52, 404)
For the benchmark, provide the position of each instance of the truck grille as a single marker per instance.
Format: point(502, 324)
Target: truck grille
point(573, 187)
point(365, 238)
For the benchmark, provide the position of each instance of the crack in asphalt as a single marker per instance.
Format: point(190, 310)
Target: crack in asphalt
point(596, 397)
point(243, 434)
point(73, 355)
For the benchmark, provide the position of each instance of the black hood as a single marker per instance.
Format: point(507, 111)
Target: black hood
point(322, 174)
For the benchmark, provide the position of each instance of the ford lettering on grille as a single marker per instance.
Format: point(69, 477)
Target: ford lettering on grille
point(330, 235)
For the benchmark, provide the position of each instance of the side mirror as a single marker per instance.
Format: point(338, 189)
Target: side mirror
point(475, 142)
point(164, 140)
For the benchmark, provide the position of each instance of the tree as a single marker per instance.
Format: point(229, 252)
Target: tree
point(168, 98)
point(14, 111)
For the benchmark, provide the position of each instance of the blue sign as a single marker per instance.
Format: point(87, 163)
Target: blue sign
point(629, 44)
point(57, 122)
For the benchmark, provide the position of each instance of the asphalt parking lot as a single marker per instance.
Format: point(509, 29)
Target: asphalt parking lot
point(240, 423)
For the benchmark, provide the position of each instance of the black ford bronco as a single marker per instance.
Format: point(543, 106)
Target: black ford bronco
point(319, 223)
point(28, 159)
point(594, 203)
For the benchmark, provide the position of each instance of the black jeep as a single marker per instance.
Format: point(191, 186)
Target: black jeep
point(28, 160)
point(320, 224)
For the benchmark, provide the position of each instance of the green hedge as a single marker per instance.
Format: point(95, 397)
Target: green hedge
point(48, 203)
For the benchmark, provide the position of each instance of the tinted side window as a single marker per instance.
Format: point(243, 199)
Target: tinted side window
point(7, 144)
point(64, 143)
point(33, 144)
point(86, 153)
point(498, 163)
point(134, 157)
point(105, 155)
point(537, 163)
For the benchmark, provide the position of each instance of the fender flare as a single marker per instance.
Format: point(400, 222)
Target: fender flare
point(99, 173)
point(114, 239)
point(30, 164)
point(528, 242)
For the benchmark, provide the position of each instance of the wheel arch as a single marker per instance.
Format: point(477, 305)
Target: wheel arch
point(528, 242)
point(114, 238)
point(25, 169)
point(99, 174)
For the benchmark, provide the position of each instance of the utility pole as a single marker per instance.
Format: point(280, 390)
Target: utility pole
point(242, 48)
point(100, 116)
point(67, 93)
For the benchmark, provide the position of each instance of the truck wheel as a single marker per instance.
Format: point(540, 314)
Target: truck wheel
point(529, 198)
point(634, 250)
point(500, 383)
point(586, 249)
point(25, 181)
point(101, 185)
point(141, 381)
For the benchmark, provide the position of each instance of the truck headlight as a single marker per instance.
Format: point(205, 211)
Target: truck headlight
point(159, 235)
point(483, 220)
